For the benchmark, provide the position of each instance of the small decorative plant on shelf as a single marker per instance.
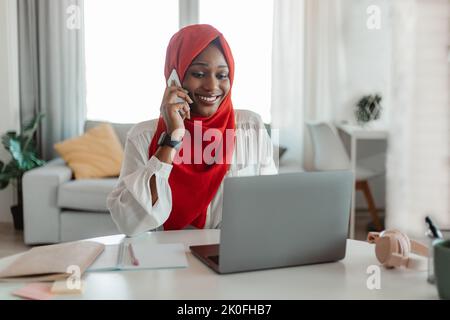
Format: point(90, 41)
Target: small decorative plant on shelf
point(22, 149)
point(368, 108)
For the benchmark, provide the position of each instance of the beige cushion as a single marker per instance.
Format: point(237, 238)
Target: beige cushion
point(96, 154)
point(121, 129)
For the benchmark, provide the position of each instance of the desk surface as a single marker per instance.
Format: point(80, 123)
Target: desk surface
point(376, 133)
point(345, 279)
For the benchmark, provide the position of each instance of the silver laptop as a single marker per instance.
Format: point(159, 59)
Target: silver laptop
point(281, 220)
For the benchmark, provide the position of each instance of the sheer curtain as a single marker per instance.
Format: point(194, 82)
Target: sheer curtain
point(418, 153)
point(324, 66)
point(308, 71)
point(51, 59)
point(324, 59)
point(287, 78)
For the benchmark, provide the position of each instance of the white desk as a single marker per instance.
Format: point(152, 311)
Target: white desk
point(359, 133)
point(345, 279)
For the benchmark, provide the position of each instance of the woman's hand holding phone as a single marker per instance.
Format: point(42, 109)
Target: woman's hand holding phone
point(174, 109)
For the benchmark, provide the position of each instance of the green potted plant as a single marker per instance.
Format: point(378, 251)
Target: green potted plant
point(22, 149)
point(368, 108)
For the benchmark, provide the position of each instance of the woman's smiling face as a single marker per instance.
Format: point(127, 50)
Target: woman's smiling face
point(207, 81)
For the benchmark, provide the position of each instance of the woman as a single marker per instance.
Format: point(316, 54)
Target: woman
point(173, 171)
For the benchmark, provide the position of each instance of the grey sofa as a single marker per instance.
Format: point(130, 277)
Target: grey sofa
point(58, 208)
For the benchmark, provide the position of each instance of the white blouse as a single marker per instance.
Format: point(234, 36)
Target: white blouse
point(131, 199)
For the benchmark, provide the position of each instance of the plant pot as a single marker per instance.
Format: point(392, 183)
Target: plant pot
point(17, 213)
point(365, 124)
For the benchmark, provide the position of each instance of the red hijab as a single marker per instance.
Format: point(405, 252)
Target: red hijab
point(194, 185)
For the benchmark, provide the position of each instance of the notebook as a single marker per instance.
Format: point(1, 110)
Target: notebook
point(52, 262)
point(150, 256)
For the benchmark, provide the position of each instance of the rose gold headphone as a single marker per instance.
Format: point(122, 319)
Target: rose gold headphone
point(393, 249)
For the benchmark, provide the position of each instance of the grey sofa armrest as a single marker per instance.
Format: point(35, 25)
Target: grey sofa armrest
point(40, 192)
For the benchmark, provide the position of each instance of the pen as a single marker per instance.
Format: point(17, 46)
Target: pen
point(434, 230)
point(134, 260)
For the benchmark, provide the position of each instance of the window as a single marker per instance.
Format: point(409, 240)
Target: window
point(126, 43)
point(247, 26)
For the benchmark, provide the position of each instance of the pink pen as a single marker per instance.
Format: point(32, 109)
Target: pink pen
point(134, 260)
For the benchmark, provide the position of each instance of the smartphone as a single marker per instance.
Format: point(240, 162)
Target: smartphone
point(174, 77)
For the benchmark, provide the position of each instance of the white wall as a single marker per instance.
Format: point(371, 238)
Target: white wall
point(418, 158)
point(9, 90)
point(367, 55)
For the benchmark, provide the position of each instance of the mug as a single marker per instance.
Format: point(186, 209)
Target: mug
point(441, 250)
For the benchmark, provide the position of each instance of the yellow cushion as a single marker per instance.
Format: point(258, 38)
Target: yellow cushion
point(96, 154)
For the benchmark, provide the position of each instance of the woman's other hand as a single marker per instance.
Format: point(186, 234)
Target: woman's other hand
point(174, 112)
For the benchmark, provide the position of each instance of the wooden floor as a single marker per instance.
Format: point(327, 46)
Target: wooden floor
point(11, 241)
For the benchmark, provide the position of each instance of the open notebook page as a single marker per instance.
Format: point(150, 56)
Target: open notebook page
point(150, 256)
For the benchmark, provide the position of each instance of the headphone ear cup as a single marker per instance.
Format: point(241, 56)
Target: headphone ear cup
point(405, 243)
point(396, 250)
point(401, 256)
point(390, 249)
point(401, 241)
point(384, 249)
point(398, 260)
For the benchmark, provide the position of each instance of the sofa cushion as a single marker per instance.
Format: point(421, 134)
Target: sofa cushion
point(96, 154)
point(86, 194)
point(121, 129)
